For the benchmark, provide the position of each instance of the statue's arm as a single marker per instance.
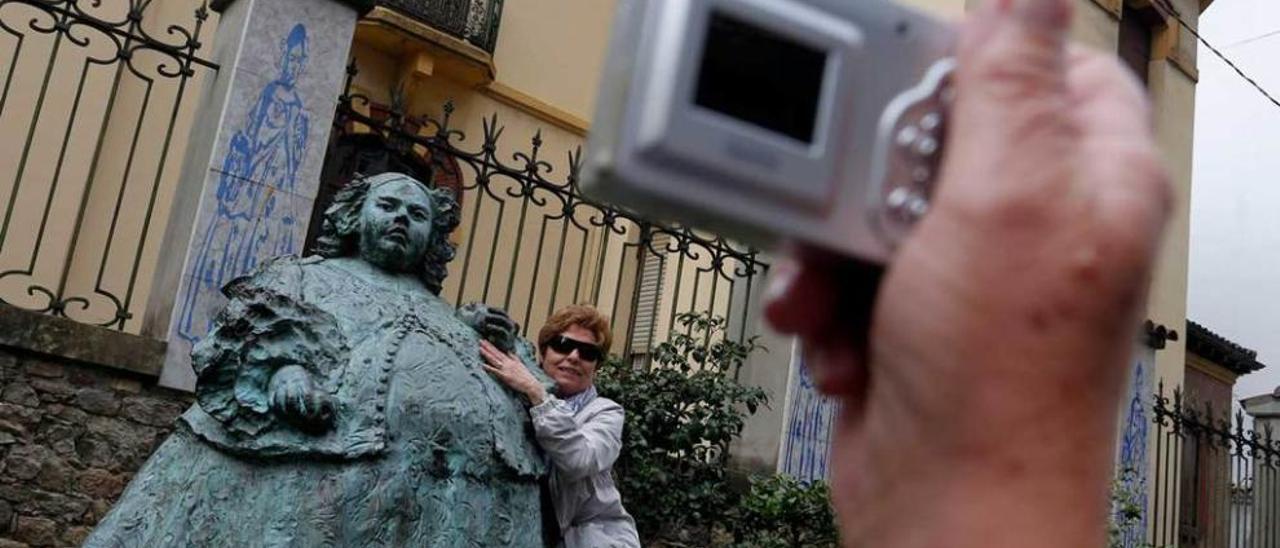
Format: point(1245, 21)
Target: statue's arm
point(266, 357)
point(496, 326)
point(493, 324)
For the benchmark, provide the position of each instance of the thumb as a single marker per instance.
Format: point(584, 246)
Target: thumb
point(1013, 50)
point(1005, 28)
point(1011, 95)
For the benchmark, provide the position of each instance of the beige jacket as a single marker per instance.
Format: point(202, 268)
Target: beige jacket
point(582, 449)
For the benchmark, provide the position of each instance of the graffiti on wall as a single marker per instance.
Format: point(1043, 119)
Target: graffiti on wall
point(256, 218)
point(1131, 461)
point(806, 444)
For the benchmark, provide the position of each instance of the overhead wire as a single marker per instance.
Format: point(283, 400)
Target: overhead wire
point(1259, 37)
point(1169, 9)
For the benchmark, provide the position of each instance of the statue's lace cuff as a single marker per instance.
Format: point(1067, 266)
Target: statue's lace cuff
point(262, 329)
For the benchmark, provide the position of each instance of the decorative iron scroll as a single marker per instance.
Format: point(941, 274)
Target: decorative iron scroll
point(114, 73)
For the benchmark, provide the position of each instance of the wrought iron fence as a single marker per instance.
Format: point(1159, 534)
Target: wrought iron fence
point(531, 243)
point(475, 21)
point(94, 110)
point(1215, 478)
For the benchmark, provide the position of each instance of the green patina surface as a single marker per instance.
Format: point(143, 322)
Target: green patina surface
point(340, 402)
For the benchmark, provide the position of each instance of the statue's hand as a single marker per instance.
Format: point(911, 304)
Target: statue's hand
point(295, 398)
point(493, 325)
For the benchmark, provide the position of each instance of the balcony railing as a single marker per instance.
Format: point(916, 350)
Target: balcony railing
point(475, 21)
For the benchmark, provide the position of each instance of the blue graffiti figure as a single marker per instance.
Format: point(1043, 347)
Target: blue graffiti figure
point(1132, 474)
point(254, 220)
point(807, 447)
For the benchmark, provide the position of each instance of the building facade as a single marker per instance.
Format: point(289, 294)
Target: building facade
point(164, 148)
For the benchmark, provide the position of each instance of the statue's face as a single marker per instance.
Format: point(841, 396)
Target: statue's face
point(395, 225)
point(571, 373)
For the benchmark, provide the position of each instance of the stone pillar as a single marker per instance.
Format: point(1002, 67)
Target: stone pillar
point(1133, 458)
point(808, 425)
point(253, 163)
point(765, 435)
point(1265, 512)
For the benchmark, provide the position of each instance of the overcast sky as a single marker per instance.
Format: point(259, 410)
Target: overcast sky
point(1234, 281)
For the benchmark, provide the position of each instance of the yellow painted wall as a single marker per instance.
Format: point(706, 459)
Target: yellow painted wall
point(1095, 26)
point(1173, 93)
point(553, 50)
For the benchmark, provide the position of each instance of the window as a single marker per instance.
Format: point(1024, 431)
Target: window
point(1137, 34)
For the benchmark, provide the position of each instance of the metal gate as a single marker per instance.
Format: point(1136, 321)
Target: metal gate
point(95, 106)
point(1216, 479)
point(531, 242)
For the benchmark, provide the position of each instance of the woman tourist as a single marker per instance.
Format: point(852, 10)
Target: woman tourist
point(580, 431)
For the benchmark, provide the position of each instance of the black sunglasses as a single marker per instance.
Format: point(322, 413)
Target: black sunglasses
point(564, 345)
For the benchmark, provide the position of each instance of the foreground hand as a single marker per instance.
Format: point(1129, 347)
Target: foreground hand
point(982, 371)
point(295, 398)
point(512, 372)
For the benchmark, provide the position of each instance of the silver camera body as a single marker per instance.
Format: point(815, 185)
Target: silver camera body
point(819, 121)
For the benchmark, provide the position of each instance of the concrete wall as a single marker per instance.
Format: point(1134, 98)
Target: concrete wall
point(757, 450)
point(1173, 98)
point(1208, 383)
point(250, 180)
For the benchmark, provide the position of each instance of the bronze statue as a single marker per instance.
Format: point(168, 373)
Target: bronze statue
point(341, 402)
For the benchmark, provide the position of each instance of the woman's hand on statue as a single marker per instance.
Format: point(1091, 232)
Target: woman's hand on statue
point(295, 398)
point(981, 372)
point(507, 368)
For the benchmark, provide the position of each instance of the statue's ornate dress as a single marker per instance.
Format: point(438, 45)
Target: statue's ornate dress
point(426, 449)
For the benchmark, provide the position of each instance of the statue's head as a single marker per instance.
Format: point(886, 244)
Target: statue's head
point(395, 222)
point(295, 54)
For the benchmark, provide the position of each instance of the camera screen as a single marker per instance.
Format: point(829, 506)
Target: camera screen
point(760, 77)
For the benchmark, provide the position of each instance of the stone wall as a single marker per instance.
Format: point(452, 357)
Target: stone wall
point(71, 437)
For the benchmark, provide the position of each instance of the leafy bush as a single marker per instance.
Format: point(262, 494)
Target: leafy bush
point(682, 413)
point(781, 512)
point(1126, 512)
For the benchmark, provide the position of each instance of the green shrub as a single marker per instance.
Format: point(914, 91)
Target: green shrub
point(682, 413)
point(781, 512)
point(1126, 511)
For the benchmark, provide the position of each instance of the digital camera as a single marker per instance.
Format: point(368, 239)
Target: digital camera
point(820, 121)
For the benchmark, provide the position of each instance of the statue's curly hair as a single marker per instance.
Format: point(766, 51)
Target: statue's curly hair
point(340, 233)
